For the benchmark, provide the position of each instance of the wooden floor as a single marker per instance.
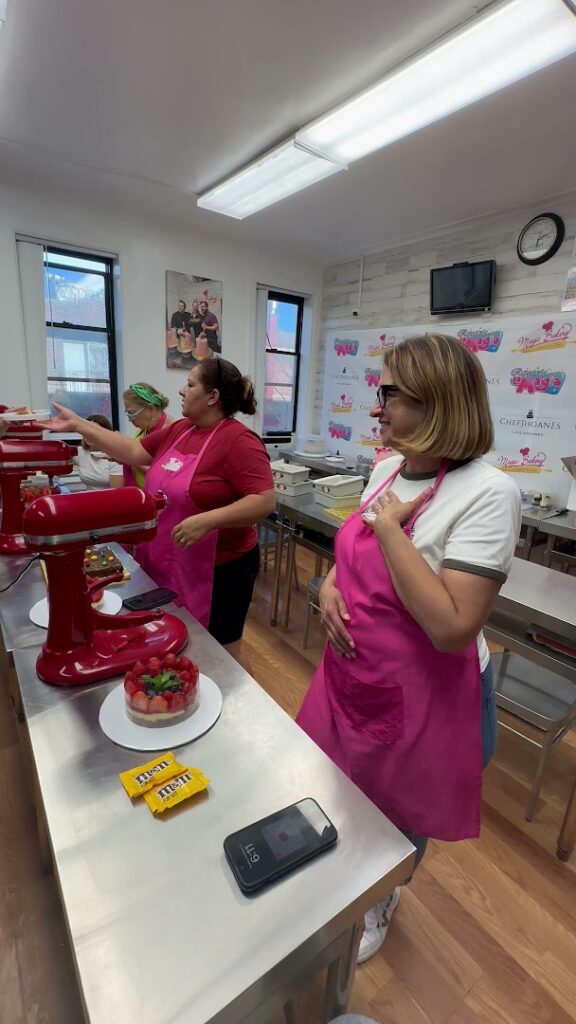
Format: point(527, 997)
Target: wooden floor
point(485, 933)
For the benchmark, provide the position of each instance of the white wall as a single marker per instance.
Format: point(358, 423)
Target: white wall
point(145, 252)
point(396, 284)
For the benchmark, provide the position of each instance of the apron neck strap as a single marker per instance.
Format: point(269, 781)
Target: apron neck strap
point(444, 467)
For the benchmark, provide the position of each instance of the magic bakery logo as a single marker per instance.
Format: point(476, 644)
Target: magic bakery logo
point(376, 349)
point(346, 346)
point(339, 431)
point(481, 341)
point(552, 337)
point(527, 463)
point(343, 404)
point(371, 440)
point(371, 377)
point(537, 382)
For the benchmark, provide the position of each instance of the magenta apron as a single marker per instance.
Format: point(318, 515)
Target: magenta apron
point(401, 719)
point(188, 571)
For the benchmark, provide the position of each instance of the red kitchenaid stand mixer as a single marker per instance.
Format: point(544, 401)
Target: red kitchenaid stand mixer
point(19, 458)
point(84, 645)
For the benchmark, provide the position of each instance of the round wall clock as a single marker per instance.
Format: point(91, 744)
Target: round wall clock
point(540, 239)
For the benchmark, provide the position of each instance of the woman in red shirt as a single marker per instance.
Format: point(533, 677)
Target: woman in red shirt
point(217, 477)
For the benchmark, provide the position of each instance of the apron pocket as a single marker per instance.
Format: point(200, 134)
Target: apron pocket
point(376, 709)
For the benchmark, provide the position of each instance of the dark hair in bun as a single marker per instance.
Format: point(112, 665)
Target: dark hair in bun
point(236, 392)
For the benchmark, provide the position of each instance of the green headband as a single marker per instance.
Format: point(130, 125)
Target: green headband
point(146, 395)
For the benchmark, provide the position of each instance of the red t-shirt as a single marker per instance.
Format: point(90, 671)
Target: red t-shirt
point(234, 465)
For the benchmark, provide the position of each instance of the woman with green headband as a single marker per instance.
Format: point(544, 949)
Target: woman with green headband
point(144, 407)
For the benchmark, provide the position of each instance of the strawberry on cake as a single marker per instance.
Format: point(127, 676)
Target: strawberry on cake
point(161, 692)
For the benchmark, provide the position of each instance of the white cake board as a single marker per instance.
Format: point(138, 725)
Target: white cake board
point(116, 725)
point(111, 604)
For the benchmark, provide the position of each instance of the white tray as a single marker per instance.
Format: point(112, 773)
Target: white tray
point(116, 725)
point(111, 604)
point(311, 455)
point(24, 417)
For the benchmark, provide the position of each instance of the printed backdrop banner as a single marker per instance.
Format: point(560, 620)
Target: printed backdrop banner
point(530, 366)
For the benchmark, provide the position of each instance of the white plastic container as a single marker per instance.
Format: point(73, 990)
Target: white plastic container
point(293, 490)
point(339, 485)
point(288, 473)
point(343, 501)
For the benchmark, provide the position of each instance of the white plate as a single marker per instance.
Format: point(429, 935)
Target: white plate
point(38, 613)
point(116, 725)
point(23, 417)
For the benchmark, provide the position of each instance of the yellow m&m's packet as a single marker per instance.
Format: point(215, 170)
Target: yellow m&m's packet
point(181, 787)
point(138, 781)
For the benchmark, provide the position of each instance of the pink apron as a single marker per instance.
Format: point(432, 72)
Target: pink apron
point(401, 719)
point(188, 571)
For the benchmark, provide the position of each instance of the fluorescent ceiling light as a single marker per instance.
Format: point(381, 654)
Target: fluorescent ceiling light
point(508, 43)
point(280, 173)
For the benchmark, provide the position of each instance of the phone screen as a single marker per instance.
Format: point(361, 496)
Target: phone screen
point(268, 849)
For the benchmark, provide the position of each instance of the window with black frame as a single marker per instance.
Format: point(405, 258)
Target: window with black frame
point(80, 339)
point(283, 340)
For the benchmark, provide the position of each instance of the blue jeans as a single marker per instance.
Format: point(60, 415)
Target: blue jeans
point(489, 737)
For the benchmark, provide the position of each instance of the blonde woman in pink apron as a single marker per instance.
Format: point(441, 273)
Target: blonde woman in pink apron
point(216, 475)
point(403, 699)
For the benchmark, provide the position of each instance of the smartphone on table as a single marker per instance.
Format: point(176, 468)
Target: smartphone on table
point(263, 852)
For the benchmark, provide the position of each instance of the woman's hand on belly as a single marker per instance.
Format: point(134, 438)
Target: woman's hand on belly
point(192, 529)
point(334, 614)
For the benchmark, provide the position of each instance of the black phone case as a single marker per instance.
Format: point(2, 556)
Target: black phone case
point(151, 599)
point(281, 872)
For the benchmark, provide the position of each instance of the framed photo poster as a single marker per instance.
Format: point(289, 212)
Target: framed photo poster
point(193, 319)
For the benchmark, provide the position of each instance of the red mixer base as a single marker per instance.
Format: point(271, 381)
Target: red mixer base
point(13, 544)
point(112, 652)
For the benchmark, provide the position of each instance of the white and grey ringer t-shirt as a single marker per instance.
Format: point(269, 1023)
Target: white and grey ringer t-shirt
point(472, 525)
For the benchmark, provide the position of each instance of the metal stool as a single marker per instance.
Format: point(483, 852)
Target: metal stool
point(319, 545)
point(542, 699)
point(267, 534)
point(312, 605)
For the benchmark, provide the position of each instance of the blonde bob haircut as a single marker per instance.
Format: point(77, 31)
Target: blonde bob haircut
point(446, 378)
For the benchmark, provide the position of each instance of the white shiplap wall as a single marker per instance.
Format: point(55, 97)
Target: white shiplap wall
point(396, 281)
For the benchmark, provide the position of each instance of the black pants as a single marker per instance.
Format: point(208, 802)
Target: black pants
point(231, 596)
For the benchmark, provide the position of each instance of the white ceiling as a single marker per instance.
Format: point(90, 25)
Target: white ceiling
point(145, 102)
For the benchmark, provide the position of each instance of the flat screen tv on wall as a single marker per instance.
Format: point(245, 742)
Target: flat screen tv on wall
point(463, 287)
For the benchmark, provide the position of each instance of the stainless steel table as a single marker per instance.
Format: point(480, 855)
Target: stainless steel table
point(532, 517)
point(324, 468)
point(558, 526)
point(293, 512)
point(159, 930)
point(15, 604)
point(536, 595)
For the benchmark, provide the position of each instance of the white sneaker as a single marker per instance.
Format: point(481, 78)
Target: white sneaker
point(376, 923)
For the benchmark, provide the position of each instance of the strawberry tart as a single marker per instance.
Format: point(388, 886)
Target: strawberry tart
point(161, 692)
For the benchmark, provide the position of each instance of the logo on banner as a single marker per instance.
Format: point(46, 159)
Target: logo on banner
point(343, 377)
point(481, 341)
point(537, 382)
point(529, 425)
point(378, 348)
point(527, 463)
point(339, 431)
point(371, 377)
point(344, 404)
point(346, 346)
point(371, 440)
point(551, 338)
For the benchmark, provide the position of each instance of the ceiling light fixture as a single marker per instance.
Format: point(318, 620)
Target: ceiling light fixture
point(494, 50)
point(497, 48)
point(277, 174)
